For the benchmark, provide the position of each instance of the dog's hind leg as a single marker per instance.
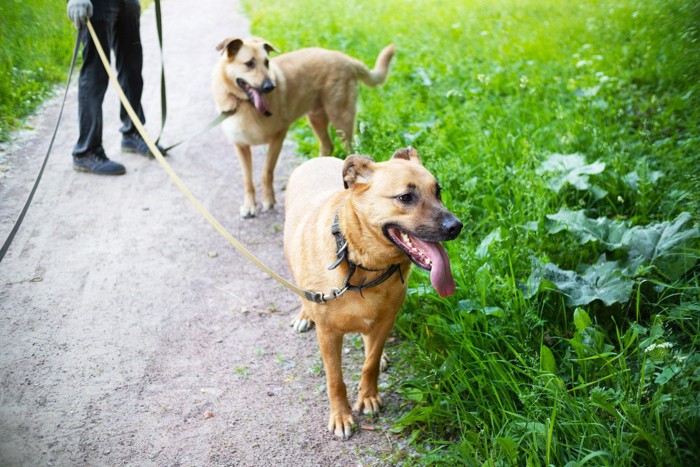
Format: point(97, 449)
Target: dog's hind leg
point(343, 120)
point(268, 173)
point(319, 123)
point(245, 157)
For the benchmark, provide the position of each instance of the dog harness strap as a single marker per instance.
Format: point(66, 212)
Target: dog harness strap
point(342, 254)
point(341, 245)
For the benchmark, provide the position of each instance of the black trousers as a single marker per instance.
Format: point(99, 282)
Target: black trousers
point(117, 24)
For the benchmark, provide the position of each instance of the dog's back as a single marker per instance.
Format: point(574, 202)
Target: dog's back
point(309, 186)
point(333, 66)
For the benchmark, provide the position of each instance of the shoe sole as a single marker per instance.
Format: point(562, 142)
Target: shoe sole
point(134, 151)
point(149, 154)
point(78, 168)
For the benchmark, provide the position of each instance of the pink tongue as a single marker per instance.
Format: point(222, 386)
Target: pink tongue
point(440, 274)
point(260, 102)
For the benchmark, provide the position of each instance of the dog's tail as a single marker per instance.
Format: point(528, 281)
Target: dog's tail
point(378, 75)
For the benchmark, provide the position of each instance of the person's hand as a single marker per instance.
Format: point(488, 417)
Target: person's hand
point(79, 11)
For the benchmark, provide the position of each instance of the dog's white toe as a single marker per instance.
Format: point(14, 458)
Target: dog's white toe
point(246, 212)
point(302, 325)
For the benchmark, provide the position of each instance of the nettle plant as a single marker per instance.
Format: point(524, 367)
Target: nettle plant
point(660, 251)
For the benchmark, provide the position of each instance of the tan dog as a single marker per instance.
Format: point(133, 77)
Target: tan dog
point(268, 95)
point(389, 215)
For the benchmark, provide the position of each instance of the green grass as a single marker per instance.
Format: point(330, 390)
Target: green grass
point(487, 91)
point(37, 42)
point(35, 53)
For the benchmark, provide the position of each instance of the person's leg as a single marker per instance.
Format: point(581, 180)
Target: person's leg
point(88, 153)
point(126, 44)
point(92, 85)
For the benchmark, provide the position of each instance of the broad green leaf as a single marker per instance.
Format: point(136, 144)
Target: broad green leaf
point(509, 446)
point(602, 281)
point(667, 374)
point(633, 179)
point(547, 362)
point(483, 248)
point(571, 169)
point(608, 232)
point(581, 319)
point(493, 311)
point(414, 394)
point(468, 305)
point(665, 245)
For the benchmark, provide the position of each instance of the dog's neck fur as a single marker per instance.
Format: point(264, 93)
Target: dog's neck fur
point(362, 242)
point(238, 102)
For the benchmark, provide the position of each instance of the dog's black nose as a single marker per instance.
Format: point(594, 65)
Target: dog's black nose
point(267, 87)
point(451, 226)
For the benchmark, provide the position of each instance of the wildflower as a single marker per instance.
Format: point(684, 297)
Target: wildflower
point(483, 79)
point(662, 346)
point(523, 82)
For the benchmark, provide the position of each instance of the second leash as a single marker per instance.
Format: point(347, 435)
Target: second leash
point(169, 170)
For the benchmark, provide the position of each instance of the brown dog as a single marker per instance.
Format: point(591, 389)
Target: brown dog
point(268, 95)
point(362, 240)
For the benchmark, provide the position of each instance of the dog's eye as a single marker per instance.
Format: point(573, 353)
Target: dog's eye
point(250, 63)
point(438, 192)
point(267, 63)
point(406, 198)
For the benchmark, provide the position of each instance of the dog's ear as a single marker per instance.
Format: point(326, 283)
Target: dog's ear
point(409, 153)
point(357, 169)
point(269, 48)
point(263, 43)
point(232, 47)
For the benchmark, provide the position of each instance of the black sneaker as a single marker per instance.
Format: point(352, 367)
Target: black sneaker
point(97, 163)
point(133, 142)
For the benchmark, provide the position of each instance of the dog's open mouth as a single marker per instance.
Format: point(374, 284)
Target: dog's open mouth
point(256, 97)
point(430, 256)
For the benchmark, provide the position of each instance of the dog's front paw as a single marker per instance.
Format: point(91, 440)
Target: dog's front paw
point(368, 405)
point(246, 212)
point(302, 323)
point(267, 206)
point(340, 424)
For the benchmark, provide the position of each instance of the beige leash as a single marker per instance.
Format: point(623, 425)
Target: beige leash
point(202, 210)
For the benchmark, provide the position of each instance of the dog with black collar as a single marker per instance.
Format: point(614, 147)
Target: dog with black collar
point(357, 227)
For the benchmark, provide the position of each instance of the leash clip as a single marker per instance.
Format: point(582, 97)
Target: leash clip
point(335, 293)
point(321, 298)
point(316, 297)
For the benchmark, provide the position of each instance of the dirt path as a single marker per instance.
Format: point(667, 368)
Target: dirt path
point(130, 332)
